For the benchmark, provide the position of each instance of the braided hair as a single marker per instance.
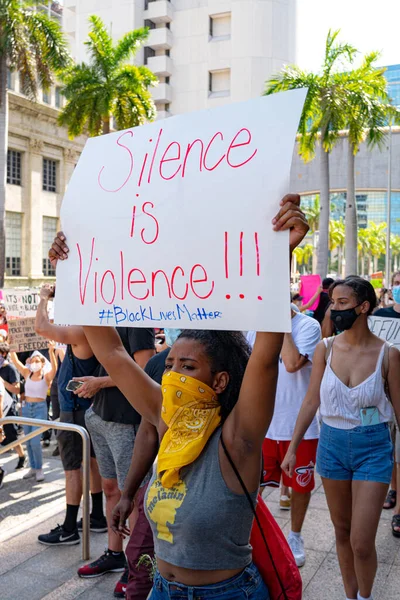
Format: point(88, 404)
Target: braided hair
point(227, 351)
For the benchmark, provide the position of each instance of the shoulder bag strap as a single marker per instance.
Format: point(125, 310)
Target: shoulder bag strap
point(251, 503)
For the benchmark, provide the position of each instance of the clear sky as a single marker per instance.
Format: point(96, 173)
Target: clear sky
point(366, 24)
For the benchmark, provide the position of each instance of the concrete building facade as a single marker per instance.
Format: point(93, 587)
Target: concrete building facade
point(205, 52)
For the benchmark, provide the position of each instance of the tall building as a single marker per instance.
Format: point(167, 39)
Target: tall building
point(204, 52)
point(392, 75)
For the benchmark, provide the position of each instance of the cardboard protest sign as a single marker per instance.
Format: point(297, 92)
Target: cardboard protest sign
point(21, 303)
point(386, 328)
point(169, 224)
point(23, 337)
point(308, 286)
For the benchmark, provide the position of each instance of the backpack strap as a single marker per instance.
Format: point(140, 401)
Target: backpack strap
point(328, 346)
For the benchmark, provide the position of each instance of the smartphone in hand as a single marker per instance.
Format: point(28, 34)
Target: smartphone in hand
point(73, 386)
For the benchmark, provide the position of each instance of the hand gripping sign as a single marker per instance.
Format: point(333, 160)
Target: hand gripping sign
point(169, 224)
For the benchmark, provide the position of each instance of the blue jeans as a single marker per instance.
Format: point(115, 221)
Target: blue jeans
point(248, 585)
point(358, 454)
point(34, 410)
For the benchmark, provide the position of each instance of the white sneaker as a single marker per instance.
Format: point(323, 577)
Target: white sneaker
point(39, 475)
point(29, 474)
point(296, 544)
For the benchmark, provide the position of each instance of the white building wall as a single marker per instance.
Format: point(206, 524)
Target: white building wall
point(261, 40)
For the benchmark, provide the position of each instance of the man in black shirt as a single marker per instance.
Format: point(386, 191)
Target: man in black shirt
point(113, 423)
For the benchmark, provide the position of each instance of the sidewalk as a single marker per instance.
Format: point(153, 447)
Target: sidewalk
point(30, 571)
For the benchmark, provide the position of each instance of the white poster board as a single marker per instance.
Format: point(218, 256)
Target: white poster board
point(21, 303)
point(169, 225)
point(386, 328)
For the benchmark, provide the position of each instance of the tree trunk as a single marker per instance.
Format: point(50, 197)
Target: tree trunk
point(3, 162)
point(375, 264)
point(351, 216)
point(323, 242)
point(106, 125)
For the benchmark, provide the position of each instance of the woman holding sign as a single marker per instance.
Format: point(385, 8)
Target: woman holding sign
point(194, 499)
point(37, 384)
point(351, 376)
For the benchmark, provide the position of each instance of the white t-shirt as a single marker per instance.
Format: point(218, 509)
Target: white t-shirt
point(292, 387)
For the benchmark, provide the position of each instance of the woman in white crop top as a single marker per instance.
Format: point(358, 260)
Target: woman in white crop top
point(355, 456)
point(37, 384)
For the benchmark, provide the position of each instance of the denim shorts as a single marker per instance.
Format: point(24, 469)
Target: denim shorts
point(360, 454)
point(248, 585)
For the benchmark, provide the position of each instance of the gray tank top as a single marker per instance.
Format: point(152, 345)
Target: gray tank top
point(200, 523)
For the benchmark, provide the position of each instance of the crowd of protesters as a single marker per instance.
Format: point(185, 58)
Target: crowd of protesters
point(215, 410)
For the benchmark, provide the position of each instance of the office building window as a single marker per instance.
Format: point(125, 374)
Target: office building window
point(220, 82)
point(14, 167)
point(46, 96)
point(13, 226)
point(49, 175)
point(220, 26)
point(49, 231)
point(10, 80)
point(58, 97)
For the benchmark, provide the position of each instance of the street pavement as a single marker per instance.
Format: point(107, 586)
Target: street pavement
point(30, 571)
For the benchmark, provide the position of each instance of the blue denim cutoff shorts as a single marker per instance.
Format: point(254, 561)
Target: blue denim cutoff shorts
point(360, 454)
point(248, 585)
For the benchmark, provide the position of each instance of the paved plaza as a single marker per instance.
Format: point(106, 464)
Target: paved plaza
point(30, 571)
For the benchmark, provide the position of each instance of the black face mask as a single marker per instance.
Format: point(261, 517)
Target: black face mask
point(344, 319)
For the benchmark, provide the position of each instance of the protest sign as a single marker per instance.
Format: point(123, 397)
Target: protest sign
point(169, 224)
point(308, 286)
point(386, 328)
point(23, 337)
point(21, 303)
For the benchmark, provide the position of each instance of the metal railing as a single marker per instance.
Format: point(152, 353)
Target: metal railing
point(42, 426)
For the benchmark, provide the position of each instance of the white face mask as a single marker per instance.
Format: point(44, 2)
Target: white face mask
point(35, 367)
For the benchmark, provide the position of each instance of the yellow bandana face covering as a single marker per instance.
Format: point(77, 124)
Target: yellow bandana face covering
point(192, 412)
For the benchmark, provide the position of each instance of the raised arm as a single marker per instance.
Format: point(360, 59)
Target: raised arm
point(311, 301)
point(308, 409)
point(246, 426)
point(291, 357)
point(24, 371)
point(53, 361)
point(137, 387)
point(63, 335)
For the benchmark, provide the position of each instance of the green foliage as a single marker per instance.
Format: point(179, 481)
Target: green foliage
point(149, 562)
point(108, 85)
point(33, 44)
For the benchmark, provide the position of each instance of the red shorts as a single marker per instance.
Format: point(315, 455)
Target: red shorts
point(303, 476)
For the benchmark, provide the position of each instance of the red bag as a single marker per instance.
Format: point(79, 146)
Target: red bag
point(273, 557)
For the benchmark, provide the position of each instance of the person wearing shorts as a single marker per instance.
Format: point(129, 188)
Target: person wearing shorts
point(113, 423)
point(294, 376)
point(79, 361)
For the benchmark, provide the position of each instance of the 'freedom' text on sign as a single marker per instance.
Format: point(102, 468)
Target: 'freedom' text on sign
point(169, 225)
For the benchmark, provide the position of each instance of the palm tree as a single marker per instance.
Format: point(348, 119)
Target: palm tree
point(336, 240)
point(322, 119)
point(364, 248)
point(377, 240)
point(368, 111)
point(34, 45)
point(108, 86)
point(395, 251)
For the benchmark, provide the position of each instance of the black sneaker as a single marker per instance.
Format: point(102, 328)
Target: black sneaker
point(3, 473)
point(60, 537)
point(107, 563)
point(120, 588)
point(96, 525)
point(20, 463)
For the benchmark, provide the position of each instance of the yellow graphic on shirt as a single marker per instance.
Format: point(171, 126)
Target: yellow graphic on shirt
point(162, 504)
